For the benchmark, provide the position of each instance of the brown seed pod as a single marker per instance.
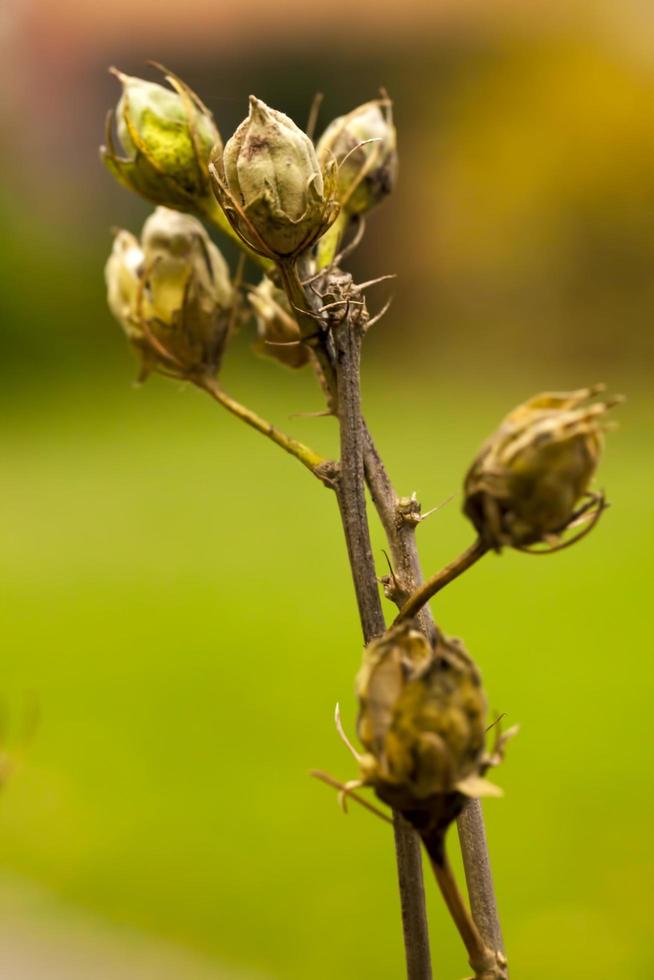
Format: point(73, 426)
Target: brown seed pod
point(530, 478)
point(422, 723)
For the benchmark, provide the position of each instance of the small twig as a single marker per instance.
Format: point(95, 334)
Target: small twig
point(317, 464)
point(428, 589)
point(335, 784)
point(484, 961)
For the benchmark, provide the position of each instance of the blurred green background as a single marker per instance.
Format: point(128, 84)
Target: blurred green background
point(175, 595)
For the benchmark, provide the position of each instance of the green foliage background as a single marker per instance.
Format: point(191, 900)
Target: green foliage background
point(176, 598)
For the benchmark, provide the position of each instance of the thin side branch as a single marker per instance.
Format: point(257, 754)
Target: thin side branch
point(428, 589)
point(487, 963)
point(317, 464)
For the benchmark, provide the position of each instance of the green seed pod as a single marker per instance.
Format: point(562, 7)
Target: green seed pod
point(526, 484)
point(172, 294)
point(278, 335)
point(363, 145)
point(270, 185)
point(422, 722)
point(167, 136)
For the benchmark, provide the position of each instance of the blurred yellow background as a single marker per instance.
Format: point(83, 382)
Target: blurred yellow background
point(175, 595)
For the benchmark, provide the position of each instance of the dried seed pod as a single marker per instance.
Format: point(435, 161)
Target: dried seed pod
point(363, 144)
point(167, 136)
point(271, 186)
point(278, 335)
point(172, 294)
point(527, 482)
point(422, 723)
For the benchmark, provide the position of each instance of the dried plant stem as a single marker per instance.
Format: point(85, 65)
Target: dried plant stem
point(359, 457)
point(482, 958)
point(428, 589)
point(341, 374)
point(352, 503)
point(479, 877)
point(351, 487)
point(314, 462)
point(400, 528)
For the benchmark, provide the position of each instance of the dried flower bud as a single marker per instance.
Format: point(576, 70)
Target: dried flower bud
point(167, 137)
point(364, 146)
point(422, 723)
point(422, 718)
point(526, 484)
point(270, 185)
point(171, 293)
point(278, 335)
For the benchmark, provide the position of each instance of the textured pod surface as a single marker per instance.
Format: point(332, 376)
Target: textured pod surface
point(271, 186)
point(529, 477)
point(421, 719)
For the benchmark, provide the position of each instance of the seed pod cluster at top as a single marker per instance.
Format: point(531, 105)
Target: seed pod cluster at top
point(422, 723)
point(279, 193)
point(527, 482)
point(172, 294)
point(167, 136)
point(271, 186)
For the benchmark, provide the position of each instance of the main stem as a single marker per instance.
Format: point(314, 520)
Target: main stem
point(400, 526)
point(352, 504)
point(400, 532)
